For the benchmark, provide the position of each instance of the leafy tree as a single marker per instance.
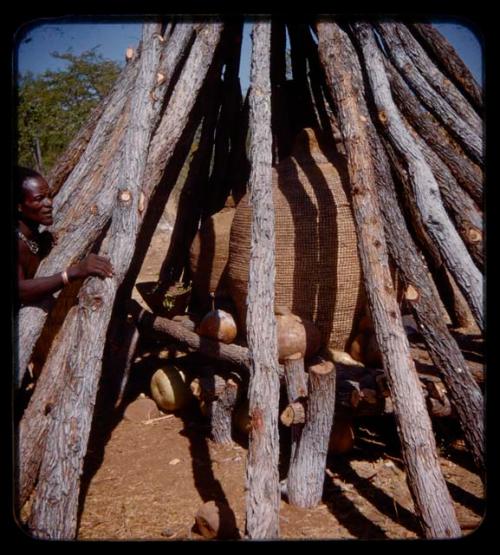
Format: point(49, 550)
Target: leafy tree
point(53, 106)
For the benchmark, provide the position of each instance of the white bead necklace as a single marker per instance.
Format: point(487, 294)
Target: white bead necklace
point(33, 246)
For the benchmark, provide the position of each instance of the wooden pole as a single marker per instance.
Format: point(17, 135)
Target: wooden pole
point(262, 478)
point(470, 139)
point(468, 174)
point(82, 153)
point(467, 218)
point(464, 394)
point(96, 297)
point(425, 188)
point(89, 210)
point(449, 61)
point(306, 473)
point(432, 499)
point(453, 302)
point(433, 75)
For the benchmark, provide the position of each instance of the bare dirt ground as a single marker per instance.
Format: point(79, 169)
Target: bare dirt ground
point(146, 480)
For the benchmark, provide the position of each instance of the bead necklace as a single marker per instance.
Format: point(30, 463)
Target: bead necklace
point(33, 246)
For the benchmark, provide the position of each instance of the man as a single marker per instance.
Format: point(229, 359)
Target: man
point(35, 209)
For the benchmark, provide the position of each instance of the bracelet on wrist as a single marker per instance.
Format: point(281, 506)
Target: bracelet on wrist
point(65, 277)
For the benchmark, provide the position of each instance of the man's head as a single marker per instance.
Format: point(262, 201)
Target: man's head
point(34, 198)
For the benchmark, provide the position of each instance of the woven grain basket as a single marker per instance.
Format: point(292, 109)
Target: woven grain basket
point(318, 274)
point(208, 255)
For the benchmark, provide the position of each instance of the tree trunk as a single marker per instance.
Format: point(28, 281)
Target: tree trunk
point(449, 61)
point(90, 205)
point(306, 474)
point(427, 485)
point(296, 388)
point(434, 76)
point(68, 160)
point(219, 395)
point(468, 174)
point(78, 175)
point(226, 129)
point(426, 190)
point(96, 297)
point(262, 478)
point(194, 196)
point(467, 218)
point(280, 117)
point(455, 305)
point(37, 418)
point(465, 396)
point(470, 140)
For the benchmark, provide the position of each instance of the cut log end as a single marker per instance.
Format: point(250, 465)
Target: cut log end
point(294, 413)
point(321, 367)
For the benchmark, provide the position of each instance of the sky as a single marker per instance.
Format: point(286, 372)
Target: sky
point(33, 44)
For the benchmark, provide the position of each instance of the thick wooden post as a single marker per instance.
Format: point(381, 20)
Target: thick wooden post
point(426, 190)
point(469, 138)
point(468, 174)
point(449, 62)
point(427, 484)
point(63, 458)
point(262, 478)
point(306, 474)
point(464, 394)
point(440, 83)
point(84, 205)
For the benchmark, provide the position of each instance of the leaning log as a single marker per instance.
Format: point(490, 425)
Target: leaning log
point(426, 190)
point(468, 174)
point(454, 305)
point(262, 478)
point(449, 61)
point(96, 298)
point(468, 138)
point(62, 463)
point(434, 76)
point(466, 217)
point(80, 158)
point(464, 394)
point(80, 225)
point(427, 485)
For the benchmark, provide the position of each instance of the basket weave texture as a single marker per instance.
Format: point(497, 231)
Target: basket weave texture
point(209, 253)
point(318, 273)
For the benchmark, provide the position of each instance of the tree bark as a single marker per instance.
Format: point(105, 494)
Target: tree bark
point(426, 190)
point(454, 305)
point(96, 298)
point(468, 138)
point(280, 117)
point(262, 478)
point(55, 515)
point(97, 152)
point(226, 129)
point(449, 62)
point(147, 322)
point(464, 394)
point(67, 161)
point(90, 205)
point(296, 388)
point(220, 396)
point(439, 82)
point(468, 174)
point(427, 485)
point(467, 218)
point(306, 473)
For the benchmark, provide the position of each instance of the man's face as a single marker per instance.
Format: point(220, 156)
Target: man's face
point(37, 202)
